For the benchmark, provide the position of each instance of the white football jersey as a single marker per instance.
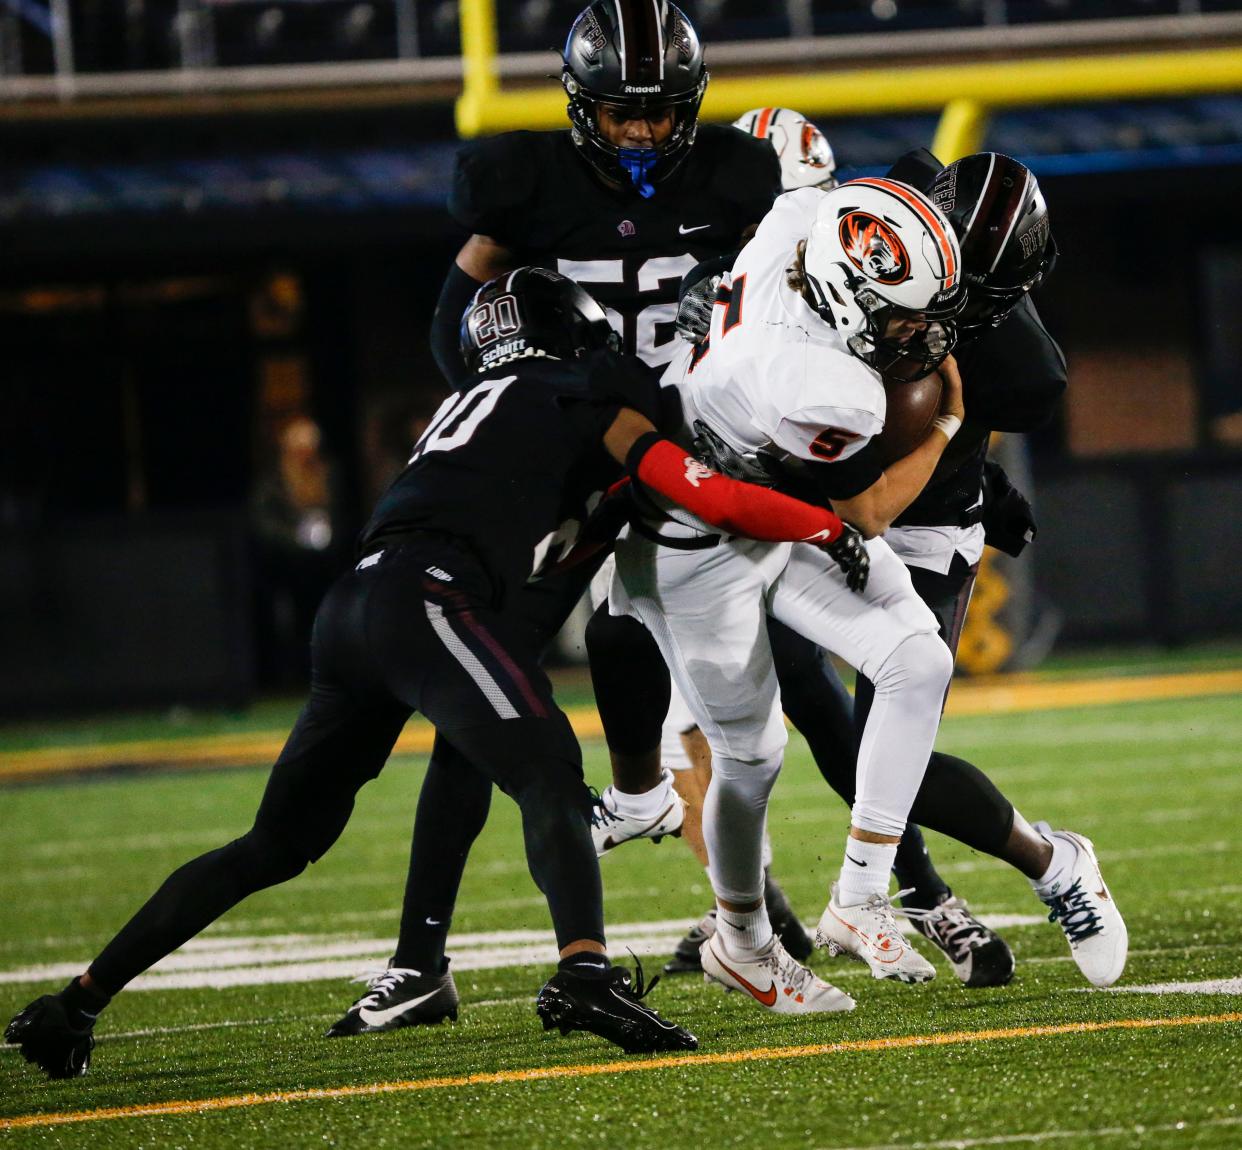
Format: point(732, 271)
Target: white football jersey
point(775, 378)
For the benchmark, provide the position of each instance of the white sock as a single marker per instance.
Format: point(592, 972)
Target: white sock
point(1056, 877)
point(865, 870)
point(743, 931)
point(646, 805)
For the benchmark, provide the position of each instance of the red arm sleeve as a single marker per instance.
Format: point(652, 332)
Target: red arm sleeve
point(735, 507)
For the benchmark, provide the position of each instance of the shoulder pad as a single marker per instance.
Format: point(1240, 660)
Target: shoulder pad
point(492, 179)
point(741, 168)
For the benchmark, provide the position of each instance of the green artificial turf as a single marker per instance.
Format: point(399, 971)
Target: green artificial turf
point(1156, 785)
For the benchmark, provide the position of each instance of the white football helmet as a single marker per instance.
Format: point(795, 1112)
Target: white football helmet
point(880, 251)
point(806, 156)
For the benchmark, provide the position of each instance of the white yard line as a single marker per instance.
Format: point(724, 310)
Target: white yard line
point(1207, 986)
point(1051, 1135)
point(254, 960)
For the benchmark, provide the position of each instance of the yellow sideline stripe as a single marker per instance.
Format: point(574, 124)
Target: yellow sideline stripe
point(1004, 695)
point(536, 1073)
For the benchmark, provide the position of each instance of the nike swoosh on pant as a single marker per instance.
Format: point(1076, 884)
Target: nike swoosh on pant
point(682, 230)
point(379, 1017)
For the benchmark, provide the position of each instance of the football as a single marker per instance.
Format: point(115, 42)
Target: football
point(911, 408)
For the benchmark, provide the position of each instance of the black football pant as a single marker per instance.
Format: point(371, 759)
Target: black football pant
point(412, 630)
point(455, 799)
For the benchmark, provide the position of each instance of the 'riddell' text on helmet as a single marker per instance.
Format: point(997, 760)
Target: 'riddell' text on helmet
point(644, 57)
point(998, 212)
point(532, 312)
point(884, 268)
point(805, 155)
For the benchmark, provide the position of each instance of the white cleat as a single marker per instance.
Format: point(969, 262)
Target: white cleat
point(869, 933)
point(611, 826)
point(1084, 907)
point(774, 979)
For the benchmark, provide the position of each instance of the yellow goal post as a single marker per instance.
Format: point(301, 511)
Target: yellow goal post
point(965, 93)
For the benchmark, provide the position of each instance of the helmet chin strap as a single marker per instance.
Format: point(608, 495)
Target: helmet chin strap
point(637, 163)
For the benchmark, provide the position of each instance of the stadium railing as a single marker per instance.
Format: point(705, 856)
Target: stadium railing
point(965, 91)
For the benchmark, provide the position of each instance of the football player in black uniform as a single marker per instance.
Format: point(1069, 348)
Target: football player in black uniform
point(498, 487)
point(626, 201)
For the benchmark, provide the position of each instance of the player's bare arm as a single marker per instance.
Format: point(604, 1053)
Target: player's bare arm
point(872, 511)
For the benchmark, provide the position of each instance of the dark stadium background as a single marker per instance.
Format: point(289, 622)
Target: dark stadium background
point(214, 304)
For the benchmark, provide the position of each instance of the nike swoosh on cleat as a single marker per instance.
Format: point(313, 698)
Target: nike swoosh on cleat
point(682, 230)
point(379, 1017)
point(610, 842)
point(767, 997)
point(866, 941)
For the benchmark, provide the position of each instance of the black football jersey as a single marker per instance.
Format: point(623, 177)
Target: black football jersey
point(1012, 379)
point(532, 193)
point(514, 465)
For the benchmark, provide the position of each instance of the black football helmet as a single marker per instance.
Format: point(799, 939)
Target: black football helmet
point(644, 56)
point(532, 312)
point(998, 212)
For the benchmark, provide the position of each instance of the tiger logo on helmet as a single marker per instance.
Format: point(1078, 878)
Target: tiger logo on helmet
point(880, 250)
point(805, 155)
point(873, 247)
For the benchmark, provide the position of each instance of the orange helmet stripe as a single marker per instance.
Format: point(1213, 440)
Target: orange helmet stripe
point(763, 123)
point(943, 241)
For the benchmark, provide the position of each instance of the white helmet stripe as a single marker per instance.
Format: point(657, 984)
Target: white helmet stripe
point(986, 181)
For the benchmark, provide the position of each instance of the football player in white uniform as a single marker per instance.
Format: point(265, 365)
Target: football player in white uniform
point(807, 159)
point(790, 373)
point(675, 806)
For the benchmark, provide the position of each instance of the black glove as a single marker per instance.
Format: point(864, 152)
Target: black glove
point(694, 312)
point(850, 554)
point(1008, 521)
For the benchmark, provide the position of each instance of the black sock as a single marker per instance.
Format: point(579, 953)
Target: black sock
point(913, 868)
point(82, 1004)
point(775, 899)
point(585, 964)
point(421, 945)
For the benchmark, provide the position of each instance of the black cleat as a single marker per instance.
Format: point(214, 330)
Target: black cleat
point(785, 924)
point(46, 1037)
point(610, 1008)
point(978, 955)
point(685, 958)
point(399, 997)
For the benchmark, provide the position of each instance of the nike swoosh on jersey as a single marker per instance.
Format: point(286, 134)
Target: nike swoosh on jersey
point(767, 997)
point(682, 230)
point(379, 1017)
